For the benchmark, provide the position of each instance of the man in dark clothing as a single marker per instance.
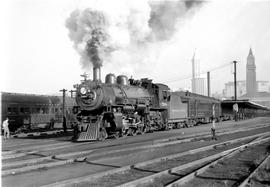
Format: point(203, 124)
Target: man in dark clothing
point(213, 130)
point(64, 124)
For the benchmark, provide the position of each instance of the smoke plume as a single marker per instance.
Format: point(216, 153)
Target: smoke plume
point(126, 34)
point(88, 31)
point(166, 14)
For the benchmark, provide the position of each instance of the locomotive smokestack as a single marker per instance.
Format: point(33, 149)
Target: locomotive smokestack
point(96, 74)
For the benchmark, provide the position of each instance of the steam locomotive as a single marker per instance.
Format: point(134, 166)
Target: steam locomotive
point(123, 106)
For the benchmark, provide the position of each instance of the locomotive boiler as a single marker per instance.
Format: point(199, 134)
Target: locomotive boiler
point(118, 107)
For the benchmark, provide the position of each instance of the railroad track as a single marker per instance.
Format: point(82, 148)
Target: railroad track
point(34, 147)
point(232, 160)
point(134, 175)
point(26, 165)
point(252, 176)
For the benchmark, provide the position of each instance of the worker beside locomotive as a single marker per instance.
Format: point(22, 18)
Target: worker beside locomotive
point(123, 106)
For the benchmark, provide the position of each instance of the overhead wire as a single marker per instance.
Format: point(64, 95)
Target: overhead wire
point(203, 72)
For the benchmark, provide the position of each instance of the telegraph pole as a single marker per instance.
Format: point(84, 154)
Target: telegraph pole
point(235, 87)
point(71, 93)
point(64, 110)
point(235, 92)
point(208, 84)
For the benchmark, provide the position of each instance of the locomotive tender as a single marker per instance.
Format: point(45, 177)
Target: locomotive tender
point(122, 107)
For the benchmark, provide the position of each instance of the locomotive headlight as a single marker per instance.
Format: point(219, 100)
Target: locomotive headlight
point(83, 90)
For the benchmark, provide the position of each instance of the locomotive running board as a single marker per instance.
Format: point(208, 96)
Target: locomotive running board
point(92, 133)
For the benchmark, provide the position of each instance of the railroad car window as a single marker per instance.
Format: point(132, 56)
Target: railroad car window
point(9, 110)
point(14, 110)
point(45, 110)
point(37, 110)
point(27, 110)
point(40, 111)
point(165, 94)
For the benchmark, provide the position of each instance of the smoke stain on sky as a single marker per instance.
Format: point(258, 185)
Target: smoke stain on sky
point(154, 39)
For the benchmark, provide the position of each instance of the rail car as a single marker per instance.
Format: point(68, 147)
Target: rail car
point(187, 109)
point(31, 112)
point(123, 106)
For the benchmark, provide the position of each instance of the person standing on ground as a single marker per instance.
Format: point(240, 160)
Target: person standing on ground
point(213, 129)
point(6, 129)
point(65, 124)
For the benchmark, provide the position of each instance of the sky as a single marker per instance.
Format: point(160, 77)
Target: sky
point(153, 39)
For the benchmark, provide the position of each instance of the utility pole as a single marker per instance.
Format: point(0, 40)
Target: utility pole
point(193, 84)
point(235, 87)
point(235, 92)
point(208, 83)
point(64, 110)
point(71, 93)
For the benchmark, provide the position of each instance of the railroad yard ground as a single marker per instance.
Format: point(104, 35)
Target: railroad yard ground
point(178, 157)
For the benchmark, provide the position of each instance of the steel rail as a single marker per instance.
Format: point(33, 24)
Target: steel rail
point(261, 165)
point(30, 167)
point(164, 142)
point(88, 178)
point(201, 170)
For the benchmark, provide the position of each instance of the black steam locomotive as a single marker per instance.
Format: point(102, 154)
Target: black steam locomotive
point(123, 106)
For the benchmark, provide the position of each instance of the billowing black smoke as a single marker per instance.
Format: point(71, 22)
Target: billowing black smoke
point(99, 32)
point(166, 14)
point(88, 31)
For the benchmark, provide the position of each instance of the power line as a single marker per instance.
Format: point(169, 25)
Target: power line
point(203, 72)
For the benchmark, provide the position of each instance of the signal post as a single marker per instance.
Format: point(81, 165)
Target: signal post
point(64, 110)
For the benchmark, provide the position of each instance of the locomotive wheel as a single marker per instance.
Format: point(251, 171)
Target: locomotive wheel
point(147, 129)
point(167, 128)
point(142, 130)
point(178, 125)
point(102, 134)
point(133, 132)
point(123, 132)
point(116, 135)
point(129, 132)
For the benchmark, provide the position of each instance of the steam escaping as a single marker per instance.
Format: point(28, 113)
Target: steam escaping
point(166, 14)
point(125, 34)
point(88, 31)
